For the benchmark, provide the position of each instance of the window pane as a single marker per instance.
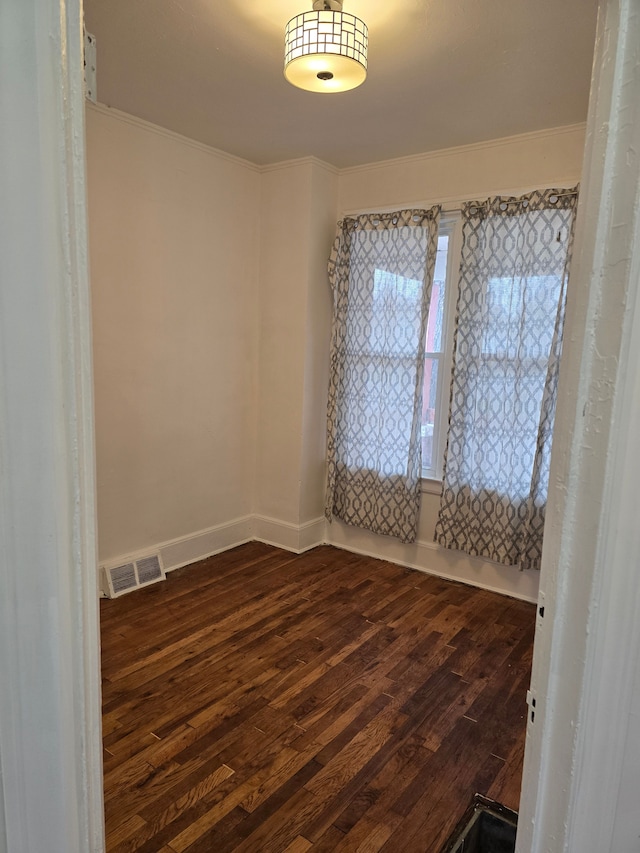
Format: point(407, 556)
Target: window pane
point(383, 323)
point(429, 410)
point(436, 307)
point(398, 299)
point(517, 312)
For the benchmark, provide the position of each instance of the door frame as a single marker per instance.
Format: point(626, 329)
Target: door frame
point(587, 643)
point(587, 646)
point(50, 723)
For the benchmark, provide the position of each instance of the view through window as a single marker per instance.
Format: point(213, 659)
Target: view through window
point(436, 362)
point(399, 295)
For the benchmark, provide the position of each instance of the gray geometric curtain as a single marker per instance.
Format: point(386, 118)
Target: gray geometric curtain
point(381, 268)
point(507, 346)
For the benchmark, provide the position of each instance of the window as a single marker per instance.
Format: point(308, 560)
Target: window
point(378, 270)
point(385, 362)
point(439, 348)
point(384, 316)
point(512, 372)
point(508, 337)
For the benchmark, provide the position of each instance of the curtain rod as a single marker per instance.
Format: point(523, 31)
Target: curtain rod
point(552, 198)
point(451, 205)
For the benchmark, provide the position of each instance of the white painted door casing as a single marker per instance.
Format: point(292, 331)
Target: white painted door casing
point(49, 643)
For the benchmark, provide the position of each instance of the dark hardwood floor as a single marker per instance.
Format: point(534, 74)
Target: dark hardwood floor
point(262, 701)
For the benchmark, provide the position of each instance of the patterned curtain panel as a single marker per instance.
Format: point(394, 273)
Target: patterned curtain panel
point(507, 345)
point(381, 269)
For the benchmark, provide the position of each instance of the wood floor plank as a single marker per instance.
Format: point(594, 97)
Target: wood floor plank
point(278, 830)
point(345, 764)
point(179, 806)
point(267, 702)
point(298, 845)
point(369, 836)
point(329, 841)
point(277, 804)
point(505, 788)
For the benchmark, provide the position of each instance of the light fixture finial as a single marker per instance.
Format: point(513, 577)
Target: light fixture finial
point(326, 50)
point(327, 5)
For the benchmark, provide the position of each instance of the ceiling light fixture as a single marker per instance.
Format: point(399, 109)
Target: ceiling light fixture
point(326, 50)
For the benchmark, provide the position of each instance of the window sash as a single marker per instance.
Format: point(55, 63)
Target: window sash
point(451, 226)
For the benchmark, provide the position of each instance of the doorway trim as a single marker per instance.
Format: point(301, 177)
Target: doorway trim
point(50, 753)
point(587, 644)
point(50, 725)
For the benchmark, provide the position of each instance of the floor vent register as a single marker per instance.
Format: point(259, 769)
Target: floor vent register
point(487, 827)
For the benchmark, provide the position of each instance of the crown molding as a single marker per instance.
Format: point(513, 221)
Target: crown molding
point(127, 118)
point(466, 149)
point(300, 161)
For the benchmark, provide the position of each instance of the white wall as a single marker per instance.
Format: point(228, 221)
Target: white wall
point(299, 203)
point(544, 159)
point(322, 224)
point(284, 250)
point(212, 315)
point(174, 231)
point(212, 320)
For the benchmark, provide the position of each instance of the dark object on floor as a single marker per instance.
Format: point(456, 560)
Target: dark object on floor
point(487, 827)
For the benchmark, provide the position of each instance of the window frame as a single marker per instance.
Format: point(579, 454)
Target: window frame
point(450, 226)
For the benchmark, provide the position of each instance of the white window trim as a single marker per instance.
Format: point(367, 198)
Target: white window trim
point(431, 486)
point(450, 225)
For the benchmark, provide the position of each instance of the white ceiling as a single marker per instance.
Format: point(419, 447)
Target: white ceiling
point(441, 73)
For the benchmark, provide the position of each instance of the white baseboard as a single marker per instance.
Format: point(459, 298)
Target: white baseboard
point(176, 553)
point(424, 556)
point(205, 543)
point(291, 537)
point(435, 560)
point(184, 550)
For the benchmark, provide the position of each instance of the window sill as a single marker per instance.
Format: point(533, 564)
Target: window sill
point(431, 487)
